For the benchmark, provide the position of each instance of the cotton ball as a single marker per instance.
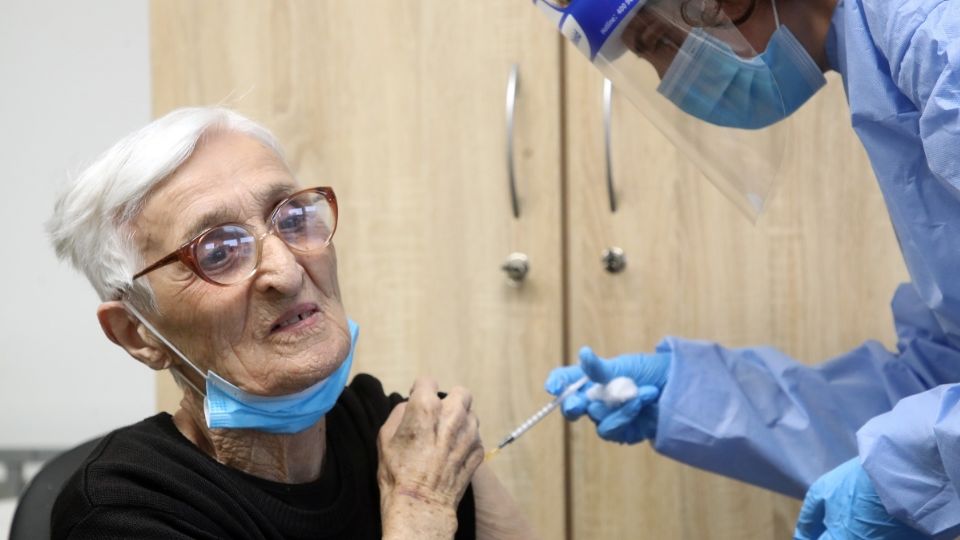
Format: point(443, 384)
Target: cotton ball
point(615, 393)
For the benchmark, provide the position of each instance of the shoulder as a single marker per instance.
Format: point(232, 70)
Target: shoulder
point(365, 404)
point(894, 26)
point(117, 468)
point(889, 19)
point(126, 449)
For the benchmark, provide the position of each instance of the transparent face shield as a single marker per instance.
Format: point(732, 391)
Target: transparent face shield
point(687, 67)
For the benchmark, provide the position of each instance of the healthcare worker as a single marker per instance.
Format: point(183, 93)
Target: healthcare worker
point(871, 436)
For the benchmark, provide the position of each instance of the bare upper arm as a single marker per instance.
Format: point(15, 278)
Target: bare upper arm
point(498, 515)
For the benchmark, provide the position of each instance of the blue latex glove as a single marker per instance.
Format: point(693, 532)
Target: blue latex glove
point(630, 422)
point(843, 504)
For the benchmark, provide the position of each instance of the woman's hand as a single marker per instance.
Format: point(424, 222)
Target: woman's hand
point(429, 449)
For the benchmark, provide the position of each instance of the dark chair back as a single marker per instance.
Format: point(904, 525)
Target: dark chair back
point(31, 520)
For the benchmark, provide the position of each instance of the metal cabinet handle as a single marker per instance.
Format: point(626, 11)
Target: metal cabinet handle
point(607, 120)
point(517, 265)
point(513, 83)
point(614, 260)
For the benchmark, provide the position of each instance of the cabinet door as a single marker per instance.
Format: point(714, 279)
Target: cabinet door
point(813, 277)
point(400, 107)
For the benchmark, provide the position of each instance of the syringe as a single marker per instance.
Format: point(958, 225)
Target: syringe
point(538, 416)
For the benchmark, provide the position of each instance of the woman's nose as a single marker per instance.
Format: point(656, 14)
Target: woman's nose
point(279, 268)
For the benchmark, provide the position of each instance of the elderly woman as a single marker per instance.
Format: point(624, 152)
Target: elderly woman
point(213, 262)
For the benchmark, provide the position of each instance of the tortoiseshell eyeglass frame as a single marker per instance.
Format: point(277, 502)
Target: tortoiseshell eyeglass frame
point(186, 253)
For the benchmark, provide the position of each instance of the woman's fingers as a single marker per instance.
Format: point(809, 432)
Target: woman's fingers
point(389, 427)
point(423, 408)
point(460, 396)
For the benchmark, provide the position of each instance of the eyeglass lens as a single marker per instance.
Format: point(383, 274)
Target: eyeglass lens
point(228, 254)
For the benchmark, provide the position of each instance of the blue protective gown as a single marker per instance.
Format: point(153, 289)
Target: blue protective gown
point(912, 455)
point(757, 415)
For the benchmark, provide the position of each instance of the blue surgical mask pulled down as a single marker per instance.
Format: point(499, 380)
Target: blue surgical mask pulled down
point(708, 80)
point(227, 406)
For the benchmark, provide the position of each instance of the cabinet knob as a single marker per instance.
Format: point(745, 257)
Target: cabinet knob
point(516, 266)
point(614, 261)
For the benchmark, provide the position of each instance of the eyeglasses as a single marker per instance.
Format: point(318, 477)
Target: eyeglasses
point(230, 253)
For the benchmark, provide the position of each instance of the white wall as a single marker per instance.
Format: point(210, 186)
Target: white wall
point(74, 78)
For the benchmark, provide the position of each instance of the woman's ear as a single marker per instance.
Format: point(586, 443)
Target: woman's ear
point(126, 331)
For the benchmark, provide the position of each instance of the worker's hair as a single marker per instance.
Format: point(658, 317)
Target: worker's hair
point(700, 13)
point(92, 220)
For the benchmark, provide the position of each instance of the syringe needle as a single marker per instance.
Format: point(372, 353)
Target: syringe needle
point(539, 415)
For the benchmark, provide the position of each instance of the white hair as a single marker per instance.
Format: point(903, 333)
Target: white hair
point(91, 223)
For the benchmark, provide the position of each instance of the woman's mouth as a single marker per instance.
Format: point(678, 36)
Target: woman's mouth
point(295, 318)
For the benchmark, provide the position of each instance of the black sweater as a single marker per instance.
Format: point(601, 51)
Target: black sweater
point(148, 481)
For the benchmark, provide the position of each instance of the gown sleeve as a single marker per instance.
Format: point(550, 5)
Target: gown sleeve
point(912, 455)
point(757, 415)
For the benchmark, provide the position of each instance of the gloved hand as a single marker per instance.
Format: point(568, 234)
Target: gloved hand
point(844, 504)
point(629, 422)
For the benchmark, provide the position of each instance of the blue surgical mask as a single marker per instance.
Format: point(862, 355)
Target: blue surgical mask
point(708, 80)
point(227, 406)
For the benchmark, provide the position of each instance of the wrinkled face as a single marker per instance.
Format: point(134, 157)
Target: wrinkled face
point(242, 332)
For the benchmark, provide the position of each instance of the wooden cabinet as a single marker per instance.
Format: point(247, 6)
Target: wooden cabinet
point(400, 107)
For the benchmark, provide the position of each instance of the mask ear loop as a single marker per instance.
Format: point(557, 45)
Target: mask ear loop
point(176, 372)
point(776, 16)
